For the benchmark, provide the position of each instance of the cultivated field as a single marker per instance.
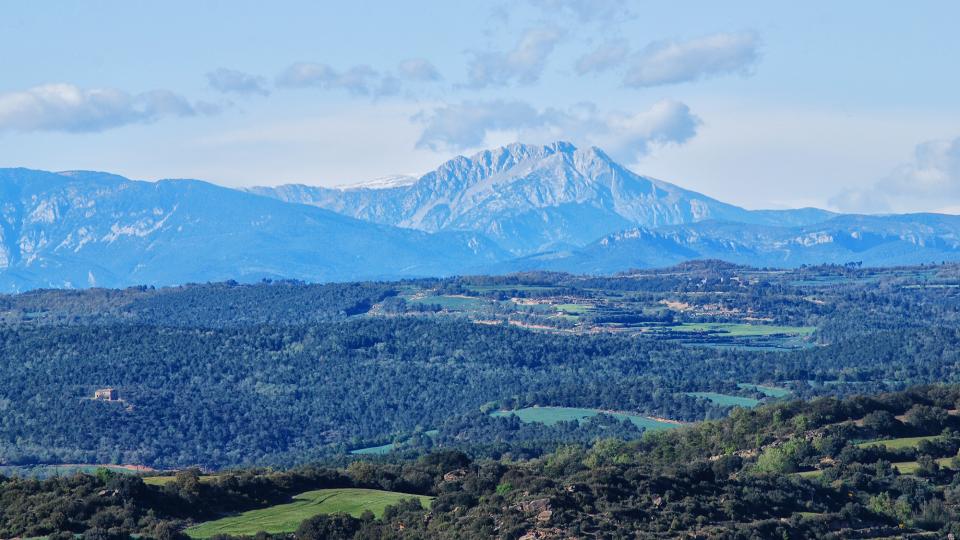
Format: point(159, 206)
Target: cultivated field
point(285, 518)
point(552, 415)
point(742, 330)
point(726, 400)
point(772, 391)
point(903, 442)
point(164, 480)
point(910, 467)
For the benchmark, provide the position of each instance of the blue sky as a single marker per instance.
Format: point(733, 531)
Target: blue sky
point(845, 105)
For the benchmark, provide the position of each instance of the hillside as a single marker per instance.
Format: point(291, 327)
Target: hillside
point(879, 466)
point(282, 373)
point(869, 240)
point(533, 198)
point(515, 208)
point(82, 229)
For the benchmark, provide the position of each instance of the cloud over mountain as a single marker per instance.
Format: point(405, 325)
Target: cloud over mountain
point(932, 179)
point(629, 135)
point(69, 108)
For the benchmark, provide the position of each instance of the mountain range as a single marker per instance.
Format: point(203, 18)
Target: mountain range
point(530, 199)
point(519, 207)
point(81, 229)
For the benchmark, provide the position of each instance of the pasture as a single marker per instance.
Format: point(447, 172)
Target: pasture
point(285, 518)
point(453, 303)
point(741, 329)
point(573, 309)
point(47, 471)
point(552, 415)
point(903, 442)
point(911, 467)
point(387, 448)
point(374, 450)
point(511, 288)
point(772, 391)
point(725, 400)
point(164, 480)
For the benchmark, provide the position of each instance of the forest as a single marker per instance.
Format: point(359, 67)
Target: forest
point(877, 466)
point(286, 373)
point(706, 400)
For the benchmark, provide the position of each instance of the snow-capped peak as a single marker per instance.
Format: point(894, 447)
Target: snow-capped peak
point(383, 182)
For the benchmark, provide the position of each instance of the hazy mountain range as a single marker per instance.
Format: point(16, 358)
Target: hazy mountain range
point(519, 207)
point(532, 198)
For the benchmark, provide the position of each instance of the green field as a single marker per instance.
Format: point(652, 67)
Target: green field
point(574, 309)
point(374, 450)
point(552, 415)
point(903, 467)
point(508, 288)
point(903, 442)
point(453, 303)
point(726, 400)
point(910, 467)
point(47, 471)
point(387, 448)
point(772, 391)
point(285, 518)
point(741, 330)
point(164, 480)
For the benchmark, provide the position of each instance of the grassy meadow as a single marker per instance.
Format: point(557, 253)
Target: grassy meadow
point(726, 400)
point(903, 442)
point(552, 415)
point(285, 518)
point(772, 391)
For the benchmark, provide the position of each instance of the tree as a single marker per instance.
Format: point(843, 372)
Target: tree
point(926, 419)
point(328, 527)
point(881, 422)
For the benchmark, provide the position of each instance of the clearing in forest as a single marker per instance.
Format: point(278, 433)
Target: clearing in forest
point(772, 391)
point(552, 415)
point(285, 518)
point(902, 442)
point(725, 400)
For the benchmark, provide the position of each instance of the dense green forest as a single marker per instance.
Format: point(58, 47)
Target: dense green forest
point(282, 373)
point(880, 466)
point(536, 405)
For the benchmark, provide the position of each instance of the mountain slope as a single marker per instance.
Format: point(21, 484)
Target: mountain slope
point(872, 240)
point(531, 198)
point(84, 229)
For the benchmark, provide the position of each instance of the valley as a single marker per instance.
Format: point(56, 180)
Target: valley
point(282, 373)
point(875, 466)
point(529, 270)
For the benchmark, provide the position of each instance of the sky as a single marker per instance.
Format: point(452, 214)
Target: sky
point(851, 106)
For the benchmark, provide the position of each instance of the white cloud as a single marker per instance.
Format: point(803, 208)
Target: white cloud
point(608, 55)
point(359, 80)
point(237, 82)
point(930, 182)
point(623, 135)
point(587, 10)
point(860, 201)
point(670, 62)
point(465, 125)
point(524, 63)
point(65, 107)
point(418, 69)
